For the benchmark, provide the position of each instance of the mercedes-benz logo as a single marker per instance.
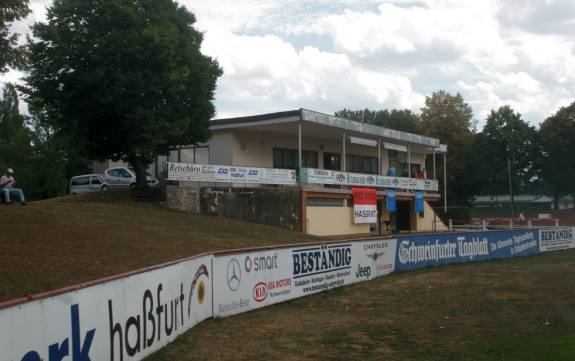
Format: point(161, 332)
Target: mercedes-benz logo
point(234, 274)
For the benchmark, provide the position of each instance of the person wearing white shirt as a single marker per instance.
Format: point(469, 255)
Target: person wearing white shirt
point(7, 183)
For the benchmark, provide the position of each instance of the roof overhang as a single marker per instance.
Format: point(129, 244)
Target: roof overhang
point(326, 126)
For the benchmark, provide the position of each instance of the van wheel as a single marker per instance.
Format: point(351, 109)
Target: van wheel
point(104, 189)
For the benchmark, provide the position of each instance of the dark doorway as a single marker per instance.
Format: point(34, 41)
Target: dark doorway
point(403, 216)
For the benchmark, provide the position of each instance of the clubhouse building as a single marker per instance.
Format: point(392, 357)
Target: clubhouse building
point(310, 161)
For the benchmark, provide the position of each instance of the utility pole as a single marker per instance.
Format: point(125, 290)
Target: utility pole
point(510, 187)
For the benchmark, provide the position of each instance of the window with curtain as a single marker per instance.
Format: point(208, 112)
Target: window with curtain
point(361, 164)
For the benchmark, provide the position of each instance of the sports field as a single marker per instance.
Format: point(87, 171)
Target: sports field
point(517, 309)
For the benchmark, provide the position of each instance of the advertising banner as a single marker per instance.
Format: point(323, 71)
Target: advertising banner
point(554, 239)
point(391, 205)
point(437, 249)
point(123, 319)
point(324, 176)
point(250, 280)
point(364, 205)
point(229, 174)
point(419, 205)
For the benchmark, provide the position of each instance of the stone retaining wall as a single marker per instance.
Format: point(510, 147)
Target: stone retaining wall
point(279, 207)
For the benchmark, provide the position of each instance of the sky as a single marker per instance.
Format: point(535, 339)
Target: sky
point(326, 55)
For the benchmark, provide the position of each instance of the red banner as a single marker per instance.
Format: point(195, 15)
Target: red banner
point(364, 205)
point(364, 196)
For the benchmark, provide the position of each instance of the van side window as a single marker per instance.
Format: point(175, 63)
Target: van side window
point(96, 180)
point(80, 181)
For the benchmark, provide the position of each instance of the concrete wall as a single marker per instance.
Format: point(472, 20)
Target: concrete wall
point(279, 207)
point(425, 223)
point(329, 221)
point(222, 147)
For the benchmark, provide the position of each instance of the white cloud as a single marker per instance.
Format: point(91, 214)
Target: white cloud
point(273, 73)
point(330, 54)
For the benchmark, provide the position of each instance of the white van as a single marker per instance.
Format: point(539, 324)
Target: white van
point(88, 183)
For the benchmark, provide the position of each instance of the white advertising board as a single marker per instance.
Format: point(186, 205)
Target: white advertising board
point(324, 176)
point(554, 239)
point(229, 174)
point(123, 319)
point(249, 280)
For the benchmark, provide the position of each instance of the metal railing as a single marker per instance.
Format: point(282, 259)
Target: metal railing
point(500, 224)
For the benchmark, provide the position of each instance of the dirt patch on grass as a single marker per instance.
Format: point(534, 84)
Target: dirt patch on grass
point(481, 311)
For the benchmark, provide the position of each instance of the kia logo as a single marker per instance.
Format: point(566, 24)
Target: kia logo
point(260, 291)
point(234, 274)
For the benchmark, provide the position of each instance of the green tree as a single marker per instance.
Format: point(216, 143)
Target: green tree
point(450, 119)
point(15, 138)
point(56, 158)
point(10, 53)
point(506, 144)
point(125, 79)
point(557, 162)
point(399, 119)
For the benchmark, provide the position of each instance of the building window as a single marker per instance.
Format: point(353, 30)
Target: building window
point(331, 161)
point(195, 155)
point(324, 202)
point(361, 164)
point(288, 158)
point(398, 160)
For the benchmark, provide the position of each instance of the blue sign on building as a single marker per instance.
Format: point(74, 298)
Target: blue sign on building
point(391, 205)
point(437, 249)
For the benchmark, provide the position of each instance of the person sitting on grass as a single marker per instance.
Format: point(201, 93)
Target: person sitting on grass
point(7, 183)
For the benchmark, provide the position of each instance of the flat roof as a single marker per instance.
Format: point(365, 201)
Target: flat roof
point(323, 119)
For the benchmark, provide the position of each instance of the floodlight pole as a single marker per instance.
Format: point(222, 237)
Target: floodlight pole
point(510, 188)
point(445, 182)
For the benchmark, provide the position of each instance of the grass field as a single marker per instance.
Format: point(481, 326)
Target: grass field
point(517, 309)
point(64, 241)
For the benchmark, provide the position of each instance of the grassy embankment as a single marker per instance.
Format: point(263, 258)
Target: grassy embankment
point(64, 241)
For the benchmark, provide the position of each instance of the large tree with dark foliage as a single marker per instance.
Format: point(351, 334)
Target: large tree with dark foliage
point(398, 119)
point(450, 119)
point(124, 78)
point(557, 161)
point(15, 138)
point(43, 161)
point(506, 146)
point(10, 53)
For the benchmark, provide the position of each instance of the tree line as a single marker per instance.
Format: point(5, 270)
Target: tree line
point(116, 79)
point(507, 150)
